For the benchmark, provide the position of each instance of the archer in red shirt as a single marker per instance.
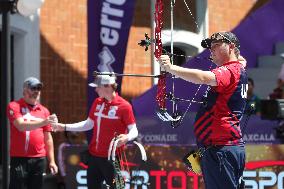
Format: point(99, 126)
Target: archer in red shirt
point(110, 116)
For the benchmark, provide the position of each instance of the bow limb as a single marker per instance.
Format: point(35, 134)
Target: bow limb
point(137, 178)
point(118, 179)
point(142, 151)
point(114, 149)
point(110, 148)
point(120, 162)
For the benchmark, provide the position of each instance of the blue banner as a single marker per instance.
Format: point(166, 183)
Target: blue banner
point(109, 22)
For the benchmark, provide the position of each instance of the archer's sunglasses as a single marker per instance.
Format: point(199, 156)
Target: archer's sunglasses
point(36, 88)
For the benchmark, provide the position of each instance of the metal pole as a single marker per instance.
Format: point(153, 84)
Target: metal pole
point(5, 62)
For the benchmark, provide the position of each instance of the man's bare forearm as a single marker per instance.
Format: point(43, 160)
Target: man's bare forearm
point(24, 125)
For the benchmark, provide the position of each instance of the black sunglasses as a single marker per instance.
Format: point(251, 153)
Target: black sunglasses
point(36, 88)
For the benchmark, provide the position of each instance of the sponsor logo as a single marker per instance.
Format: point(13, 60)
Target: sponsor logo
point(258, 175)
point(106, 59)
point(111, 22)
point(259, 137)
point(261, 179)
point(159, 138)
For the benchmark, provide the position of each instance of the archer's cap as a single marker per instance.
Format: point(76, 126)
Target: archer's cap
point(227, 37)
point(32, 82)
point(103, 80)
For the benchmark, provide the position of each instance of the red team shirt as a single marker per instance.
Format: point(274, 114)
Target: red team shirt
point(27, 143)
point(110, 119)
point(218, 120)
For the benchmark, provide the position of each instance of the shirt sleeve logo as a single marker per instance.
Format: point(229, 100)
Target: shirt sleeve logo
point(24, 110)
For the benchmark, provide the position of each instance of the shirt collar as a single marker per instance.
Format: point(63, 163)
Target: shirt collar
point(231, 62)
point(37, 106)
point(113, 100)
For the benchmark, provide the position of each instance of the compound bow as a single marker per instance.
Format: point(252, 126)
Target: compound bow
point(175, 118)
point(161, 97)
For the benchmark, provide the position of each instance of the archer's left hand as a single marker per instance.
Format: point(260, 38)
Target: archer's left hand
point(165, 63)
point(122, 139)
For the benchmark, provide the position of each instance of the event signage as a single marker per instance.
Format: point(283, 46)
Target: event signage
point(165, 170)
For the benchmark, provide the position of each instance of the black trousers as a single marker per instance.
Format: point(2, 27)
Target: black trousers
point(99, 170)
point(27, 173)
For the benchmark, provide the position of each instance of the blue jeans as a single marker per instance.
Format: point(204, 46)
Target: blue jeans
point(222, 166)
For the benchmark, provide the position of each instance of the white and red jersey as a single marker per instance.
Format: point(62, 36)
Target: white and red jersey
point(110, 120)
point(27, 143)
